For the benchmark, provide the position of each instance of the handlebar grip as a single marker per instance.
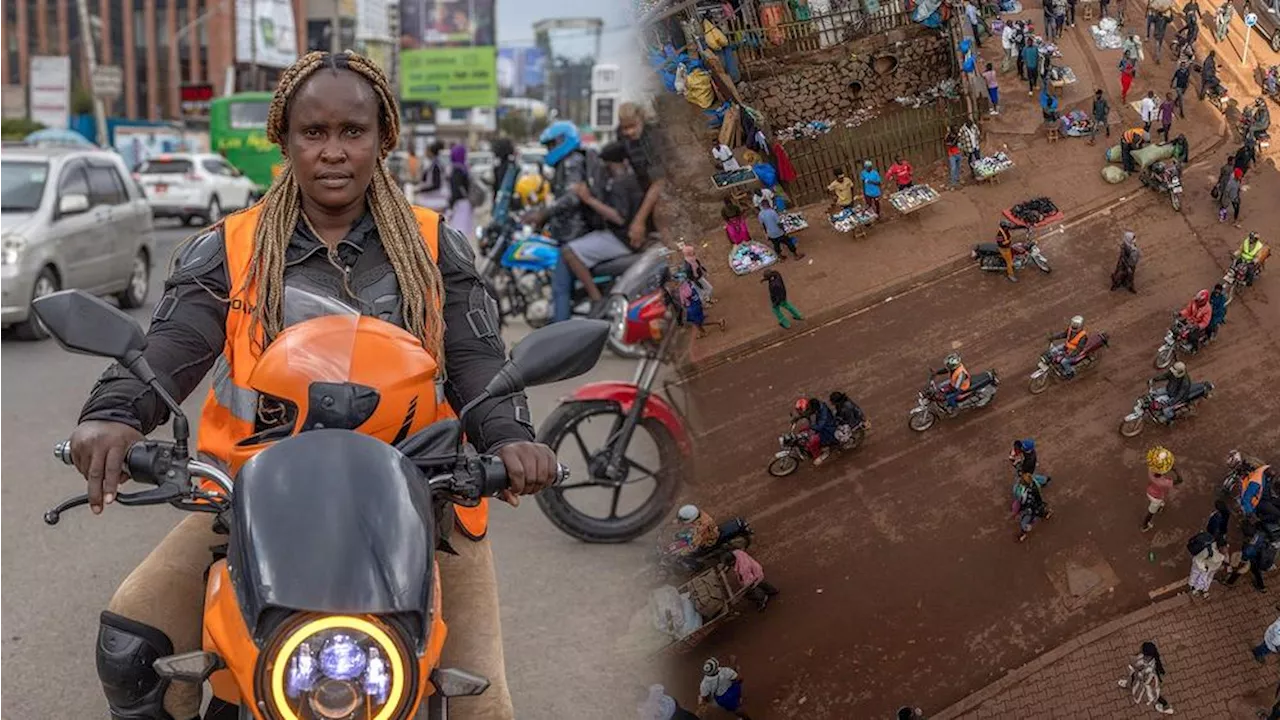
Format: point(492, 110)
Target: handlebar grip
point(62, 451)
point(494, 478)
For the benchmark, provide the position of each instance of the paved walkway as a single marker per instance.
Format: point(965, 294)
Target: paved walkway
point(1204, 644)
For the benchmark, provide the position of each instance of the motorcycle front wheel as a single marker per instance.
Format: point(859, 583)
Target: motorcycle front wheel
point(1176, 199)
point(1131, 428)
point(921, 421)
point(1042, 263)
point(1038, 384)
point(1164, 358)
point(783, 466)
point(1229, 290)
point(563, 432)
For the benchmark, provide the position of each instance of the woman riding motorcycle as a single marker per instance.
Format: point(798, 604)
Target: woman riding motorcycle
point(1198, 312)
point(333, 224)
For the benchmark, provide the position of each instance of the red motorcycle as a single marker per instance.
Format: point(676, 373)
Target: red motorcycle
point(640, 436)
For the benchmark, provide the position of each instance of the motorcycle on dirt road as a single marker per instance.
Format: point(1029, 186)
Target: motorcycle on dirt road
point(334, 604)
point(795, 447)
point(1236, 278)
point(1025, 253)
point(1151, 407)
point(931, 403)
point(630, 413)
point(1050, 362)
point(1177, 341)
point(1165, 176)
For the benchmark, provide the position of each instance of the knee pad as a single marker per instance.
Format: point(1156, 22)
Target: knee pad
point(126, 649)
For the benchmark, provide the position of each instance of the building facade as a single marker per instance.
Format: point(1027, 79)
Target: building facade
point(158, 44)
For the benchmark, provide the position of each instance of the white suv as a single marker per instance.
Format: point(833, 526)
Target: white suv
point(194, 186)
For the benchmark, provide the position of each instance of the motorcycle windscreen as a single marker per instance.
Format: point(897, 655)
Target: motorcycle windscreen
point(332, 521)
point(644, 275)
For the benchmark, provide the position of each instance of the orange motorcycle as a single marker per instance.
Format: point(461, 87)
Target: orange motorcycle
point(328, 602)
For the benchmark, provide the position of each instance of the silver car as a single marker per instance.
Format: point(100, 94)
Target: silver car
point(72, 218)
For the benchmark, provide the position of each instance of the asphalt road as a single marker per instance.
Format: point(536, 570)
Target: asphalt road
point(562, 600)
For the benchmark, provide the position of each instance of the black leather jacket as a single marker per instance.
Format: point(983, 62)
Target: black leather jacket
point(188, 327)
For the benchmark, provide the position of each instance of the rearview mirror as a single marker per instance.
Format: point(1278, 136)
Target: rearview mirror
point(86, 324)
point(73, 204)
point(556, 352)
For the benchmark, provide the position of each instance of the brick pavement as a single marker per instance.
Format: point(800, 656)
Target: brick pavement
point(1204, 644)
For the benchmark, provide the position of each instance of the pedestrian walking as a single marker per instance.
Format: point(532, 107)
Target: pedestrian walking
point(1218, 301)
point(1029, 505)
point(975, 21)
point(1270, 643)
point(1127, 70)
point(656, 704)
point(722, 686)
point(1231, 195)
point(1161, 27)
point(1207, 555)
point(1244, 158)
point(1161, 477)
point(1131, 50)
point(1219, 521)
point(1148, 110)
point(1059, 17)
point(772, 224)
point(692, 302)
point(871, 186)
point(1224, 173)
point(1166, 115)
point(1146, 675)
point(1127, 263)
point(697, 273)
point(993, 89)
point(1151, 18)
point(1071, 13)
point(1031, 60)
point(1181, 79)
point(955, 157)
point(1222, 20)
point(1104, 6)
point(1007, 36)
point(1208, 74)
point(1020, 42)
point(778, 298)
point(751, 577)
point(1101, 111)
point(1256, 557)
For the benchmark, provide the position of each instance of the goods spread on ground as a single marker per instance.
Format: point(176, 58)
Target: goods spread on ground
point(1034, 212)
point(849, 218)
point(733, 177)
point(1076, 123)
point(793, 222)
point(992, 165)
point(1106, 34)
point(1061, 75)
point(749, 257)
point(913, 198)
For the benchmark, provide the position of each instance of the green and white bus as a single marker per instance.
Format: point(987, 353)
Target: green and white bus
point(238, 132)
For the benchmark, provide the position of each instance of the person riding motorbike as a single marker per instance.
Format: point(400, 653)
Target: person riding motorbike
point(1253, 253)
point(1074, 338)
point(1023, 457)
point(333, 223)
point(622, 198)
point(532, 191)
point(1004, 241)
point(1198, 312)
point(504, 151)
point(847, 411)
point(695, 529)
point(821, 423)
point(1261, 118)
point(957, 382)
point(1177, 387)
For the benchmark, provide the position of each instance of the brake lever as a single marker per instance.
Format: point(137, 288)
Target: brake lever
point(162, 494)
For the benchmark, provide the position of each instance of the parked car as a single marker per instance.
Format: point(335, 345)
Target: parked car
point(194, 186)
point(72, 218)
point(1268, 26)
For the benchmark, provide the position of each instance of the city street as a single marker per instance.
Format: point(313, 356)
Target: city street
point(900, 577)
point(562, 600)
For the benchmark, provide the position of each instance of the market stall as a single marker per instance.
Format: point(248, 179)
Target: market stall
point(1035, 213)
point(793, 222)
point(913, 198)
point(854, 220)
point(990, 168)
point(1076, 123)
point(749, 257)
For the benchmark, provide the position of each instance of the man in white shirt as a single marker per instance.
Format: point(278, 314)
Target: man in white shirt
point(724, 155)
point(1010, 48)
point(723, 686)
point(975, 21)
point(1148, 110)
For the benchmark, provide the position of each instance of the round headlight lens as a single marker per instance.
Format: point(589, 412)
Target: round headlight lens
point(329, 668)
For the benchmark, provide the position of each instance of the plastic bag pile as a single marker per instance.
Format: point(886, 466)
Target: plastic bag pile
point(1106, 34)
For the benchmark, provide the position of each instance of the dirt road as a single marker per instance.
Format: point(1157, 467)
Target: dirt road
point(900, 577)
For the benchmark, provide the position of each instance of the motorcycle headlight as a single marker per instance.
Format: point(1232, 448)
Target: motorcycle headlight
point(1168, 337)
point(11, 247)
point(335, 668)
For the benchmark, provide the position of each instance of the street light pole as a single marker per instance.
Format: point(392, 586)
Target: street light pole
point(91, 58)
point(335, 28)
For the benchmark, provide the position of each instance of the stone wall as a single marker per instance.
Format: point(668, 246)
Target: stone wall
point(867, 74)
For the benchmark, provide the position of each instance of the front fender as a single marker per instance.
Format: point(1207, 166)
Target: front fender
point(656, 407)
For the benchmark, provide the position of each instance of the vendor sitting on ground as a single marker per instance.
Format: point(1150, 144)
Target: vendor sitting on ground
point(842, 188)
point(1048, 105)
point(1132, 139)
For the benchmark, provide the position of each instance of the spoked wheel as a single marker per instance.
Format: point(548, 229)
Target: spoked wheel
point(1131, 428)
point(1039, 383)
point(921, 421)
point(1229, 290)
point(1176, 199)
point(1164, 358)
point(591, 506)
point(1043, 264)
point(783, 466)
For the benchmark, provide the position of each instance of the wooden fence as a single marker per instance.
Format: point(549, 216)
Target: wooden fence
point(757, 43)
point(916, 133)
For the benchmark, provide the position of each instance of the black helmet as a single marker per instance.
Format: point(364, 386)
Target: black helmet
point(1007, 225)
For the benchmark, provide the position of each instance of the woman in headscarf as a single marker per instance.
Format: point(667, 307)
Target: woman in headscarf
point(1146, 672)
point(1127, 264)
point(460, 210)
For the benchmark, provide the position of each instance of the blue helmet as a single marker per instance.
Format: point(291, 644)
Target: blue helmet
point(1028, 445)
point(561, 138)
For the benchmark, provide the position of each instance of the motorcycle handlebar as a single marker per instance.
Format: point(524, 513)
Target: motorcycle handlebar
point(144, 460)
point(492, 476)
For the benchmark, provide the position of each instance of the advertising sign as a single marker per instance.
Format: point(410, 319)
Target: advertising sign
point(15, 101)
point(51, 90)
point(108, 82)
point(446, 23)
point(372, 22)
point(446, 77)
point(195, 99)
point(521, 69)
point(276, 34)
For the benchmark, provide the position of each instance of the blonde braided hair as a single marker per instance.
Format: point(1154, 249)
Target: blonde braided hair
point(421, 285)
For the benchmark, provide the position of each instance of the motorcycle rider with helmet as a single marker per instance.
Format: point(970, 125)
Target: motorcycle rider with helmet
point(1253, 253)
point(1004, 241)
point(1074, 338)
point(1198, 312)
point(335, 224)
point(957, 382)
point(696, 529)
point(1261, 121)
point(822, 427)
point(1177, 387)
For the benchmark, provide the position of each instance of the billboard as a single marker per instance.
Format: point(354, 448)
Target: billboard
point(446, 23)
point(521, 69)
point(271, 38)
point(462, 77)
point(51, 90)
point(372, 22)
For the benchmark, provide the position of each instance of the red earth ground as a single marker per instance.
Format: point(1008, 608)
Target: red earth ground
point(901, 581)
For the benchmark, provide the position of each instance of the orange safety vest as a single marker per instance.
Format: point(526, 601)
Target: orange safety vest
point(960, 378)
point(231, 406)
point(1073, 341)
point(1253, 478)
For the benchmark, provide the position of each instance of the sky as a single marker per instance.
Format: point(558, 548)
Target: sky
point(618, 43)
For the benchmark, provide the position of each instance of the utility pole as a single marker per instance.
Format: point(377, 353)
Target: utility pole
point(335, 28)
point(91, 56)
point(253, 44)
